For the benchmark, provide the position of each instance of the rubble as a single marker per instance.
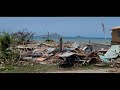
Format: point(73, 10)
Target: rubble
point(40, 59)
point(27, 58)
point(101, 64)
point(75, 45)
point(88, 48)
point(72, 53)
point(50, 50)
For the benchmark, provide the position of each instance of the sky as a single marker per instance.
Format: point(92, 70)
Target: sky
point(65, 26)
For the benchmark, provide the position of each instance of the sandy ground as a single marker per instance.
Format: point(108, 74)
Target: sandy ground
point(109, 70)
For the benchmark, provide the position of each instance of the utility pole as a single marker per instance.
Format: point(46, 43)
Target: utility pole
point(104, 32)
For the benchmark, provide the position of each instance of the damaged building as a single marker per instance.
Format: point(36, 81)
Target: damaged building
point(115, 35)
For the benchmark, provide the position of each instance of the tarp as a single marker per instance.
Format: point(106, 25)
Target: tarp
point(113, 52)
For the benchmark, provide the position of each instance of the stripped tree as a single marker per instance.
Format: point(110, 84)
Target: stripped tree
point(22, 37)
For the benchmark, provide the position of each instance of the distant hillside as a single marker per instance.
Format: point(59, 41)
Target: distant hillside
point(53, 35)
point(78, 36)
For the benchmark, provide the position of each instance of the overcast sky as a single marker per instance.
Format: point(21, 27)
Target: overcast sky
point(66, 26)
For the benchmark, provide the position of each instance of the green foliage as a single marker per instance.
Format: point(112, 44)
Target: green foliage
point(4, 41)
point(9, 54)
point(6, 68)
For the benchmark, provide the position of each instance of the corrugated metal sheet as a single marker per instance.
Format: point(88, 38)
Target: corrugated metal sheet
point(113, 52)
point(75, 45)
point(66, 54)
point(49, 50)
point(104, 59)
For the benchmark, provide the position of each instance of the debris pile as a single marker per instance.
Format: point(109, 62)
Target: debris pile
point(68, 54)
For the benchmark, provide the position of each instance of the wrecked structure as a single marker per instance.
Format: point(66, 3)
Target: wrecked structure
point(68, 54)
point(115, 35)
point(65, 54)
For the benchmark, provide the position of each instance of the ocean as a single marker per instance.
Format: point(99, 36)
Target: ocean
point(78, 39)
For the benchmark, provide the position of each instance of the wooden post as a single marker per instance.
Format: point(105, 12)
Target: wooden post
point(48, 36)
point(60, 44)
point(89, 41)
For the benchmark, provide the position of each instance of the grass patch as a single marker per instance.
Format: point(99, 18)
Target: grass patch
point(31, 69)
point(6, 68)
point(40, 68)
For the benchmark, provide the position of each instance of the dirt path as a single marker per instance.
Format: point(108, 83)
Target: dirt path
point(109, 70)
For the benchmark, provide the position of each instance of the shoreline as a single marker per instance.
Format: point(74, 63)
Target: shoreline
point(81, 42)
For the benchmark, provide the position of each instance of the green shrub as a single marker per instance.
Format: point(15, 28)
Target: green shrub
point(4, 41)
point(9, 54)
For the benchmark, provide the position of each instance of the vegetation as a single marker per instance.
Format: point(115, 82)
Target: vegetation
point(5, 41)
point(42, 68)
point(8, 52)
point(29, 69)
point(8, 55)
point(22, 37)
